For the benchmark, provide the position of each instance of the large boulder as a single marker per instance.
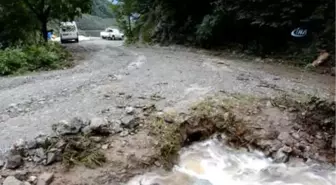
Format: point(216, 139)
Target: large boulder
point(98, 125)
point(10, 180)
point(13, 161)
point(65, 127)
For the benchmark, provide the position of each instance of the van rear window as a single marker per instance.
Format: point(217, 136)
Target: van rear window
point(68, 28)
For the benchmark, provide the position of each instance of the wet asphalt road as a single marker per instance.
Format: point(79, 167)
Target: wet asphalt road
point(110, 76)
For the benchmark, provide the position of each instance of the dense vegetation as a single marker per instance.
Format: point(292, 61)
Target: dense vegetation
point(24, 28)
point(33, 58)
point(255, 26)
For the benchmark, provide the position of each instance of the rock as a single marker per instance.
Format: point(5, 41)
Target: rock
point(26, 183)
point(124, 133)
point(115, 126)
point(286, 138)
point(286, 149)
point(319, 135)
point(32, 144)
point(38, 155)
point(99, 125)
point(41, 139)
point(332, 71)
point(60, 144)
point(13, 162)
point(157, 163)
point(202, 182)
point(105, 147)
point(86, 130)
point(10, 180)
point(280, 157)
point(97, 122)
point(169, 119)
point(296, 135)
point(96, 139)
point(19, 144)
point(65, 127)
point(51, 158)
point(129, 122)
point(21, 175)
point(45, 178)
point(269, 104)
point(242, 77)
point(332, 144)
point(32, 179)
point(321, 58)
point(129, 110)
point(4, 117)
point(2, 163)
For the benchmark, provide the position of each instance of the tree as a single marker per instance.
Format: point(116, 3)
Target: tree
point(16, 24)
point(123, 11)
point(47, 10)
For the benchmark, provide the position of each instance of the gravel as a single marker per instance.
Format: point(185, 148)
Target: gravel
point(30, 104)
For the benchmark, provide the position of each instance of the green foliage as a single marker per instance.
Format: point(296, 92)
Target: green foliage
point(82, 150)
point(259, 26)
point(123, 11)
point(16, 26)
point(21, 18)
point(101, 8)
point(33, 58)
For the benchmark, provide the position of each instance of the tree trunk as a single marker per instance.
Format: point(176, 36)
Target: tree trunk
point(129, 25)
point(44, 30)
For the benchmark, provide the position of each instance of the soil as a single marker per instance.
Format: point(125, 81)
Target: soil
point(244, 101)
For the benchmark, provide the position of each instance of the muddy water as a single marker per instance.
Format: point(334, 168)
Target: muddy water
point(212, 163)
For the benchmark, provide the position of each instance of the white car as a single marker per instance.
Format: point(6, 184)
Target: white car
point(68, 32)
point(112, 34)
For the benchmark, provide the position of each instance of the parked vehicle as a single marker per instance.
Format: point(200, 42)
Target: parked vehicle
point(68, 32)
point(112, 34)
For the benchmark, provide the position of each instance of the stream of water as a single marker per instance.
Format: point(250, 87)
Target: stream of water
point(213, 163)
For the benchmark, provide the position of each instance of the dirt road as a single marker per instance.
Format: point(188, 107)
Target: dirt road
point(111, 77)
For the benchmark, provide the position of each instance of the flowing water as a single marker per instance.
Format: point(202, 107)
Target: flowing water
point(213, 163)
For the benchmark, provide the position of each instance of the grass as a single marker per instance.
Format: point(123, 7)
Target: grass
point(43, 57)
point(205, 119)
point(76, 150)
point(169, 140)
point(81, 150)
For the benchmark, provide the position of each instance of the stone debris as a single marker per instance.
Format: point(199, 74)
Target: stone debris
point(45, 179)
point(11, 180)
point(32, 179)
point(105, 147)
point(65, 127)
point(2, 163)
point(333, 142)
point(129, 110)
point(130, 122)
point(13, 161)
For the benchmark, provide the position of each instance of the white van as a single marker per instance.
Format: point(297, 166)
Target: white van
point(68, 32)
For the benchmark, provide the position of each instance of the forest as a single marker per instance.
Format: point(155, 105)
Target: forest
point(256, 27)
point(253, 27)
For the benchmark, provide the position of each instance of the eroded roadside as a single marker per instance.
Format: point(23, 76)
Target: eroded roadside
point(99, 151)
point(128, 100)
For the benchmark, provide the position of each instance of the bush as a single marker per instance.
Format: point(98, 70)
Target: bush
point(33, 58)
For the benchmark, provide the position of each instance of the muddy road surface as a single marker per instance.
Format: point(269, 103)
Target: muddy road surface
point(109, 77)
